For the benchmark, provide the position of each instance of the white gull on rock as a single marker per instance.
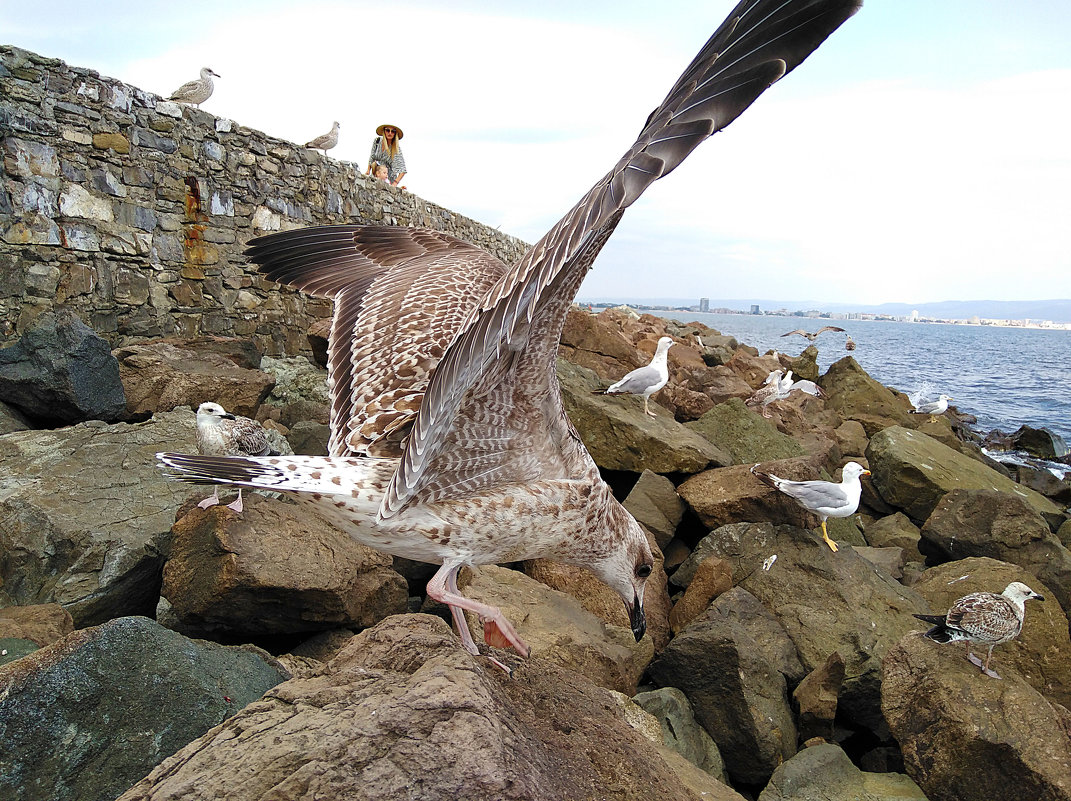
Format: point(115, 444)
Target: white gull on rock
point(985, 618)
point(646, 380)
point(825, 498)
point(449, 442)
point(222, 434)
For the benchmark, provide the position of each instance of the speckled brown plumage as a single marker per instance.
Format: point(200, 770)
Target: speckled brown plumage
point(442, 359)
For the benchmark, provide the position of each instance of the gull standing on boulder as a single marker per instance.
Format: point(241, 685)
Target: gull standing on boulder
point(196, 92)
point(985, 618)
point(777, 388)
point(646, 380)
point(325, 141)
point(223, 434)
point(825, 498)
point(934, 408)
point(449, 442)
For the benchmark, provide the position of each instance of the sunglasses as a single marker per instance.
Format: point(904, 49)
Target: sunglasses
point(389, 130)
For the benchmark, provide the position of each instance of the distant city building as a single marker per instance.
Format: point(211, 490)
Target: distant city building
point(914, 315)
point(704, 304)
point(754, 308)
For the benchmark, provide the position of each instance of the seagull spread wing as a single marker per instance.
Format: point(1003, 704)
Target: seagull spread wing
point(401, 295)
point(496, 387)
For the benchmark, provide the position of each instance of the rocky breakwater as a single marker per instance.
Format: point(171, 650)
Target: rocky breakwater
point(301, 664)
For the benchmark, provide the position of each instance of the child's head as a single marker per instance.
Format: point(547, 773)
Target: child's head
point(380, 172)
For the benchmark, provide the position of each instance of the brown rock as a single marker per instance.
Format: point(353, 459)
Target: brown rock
point(557, 628)
point(405, 712)
point(888, 560)
point(712, 577)
point(275, 568)
point(966, 737)
point(654, 502)
point(1002, 526)
point(816, 698)
point(1041, 654)
point(895, 531)
point(43, 624)
point(856, 396)
point(161, 376)
point(851, 438)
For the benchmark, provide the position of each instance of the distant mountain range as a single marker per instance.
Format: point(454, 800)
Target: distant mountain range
point(1058, 311)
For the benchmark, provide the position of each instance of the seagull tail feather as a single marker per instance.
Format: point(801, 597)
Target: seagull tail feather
point(940, 632)
point(301, 474)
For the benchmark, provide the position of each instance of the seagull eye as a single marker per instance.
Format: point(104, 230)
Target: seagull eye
point(643, 571)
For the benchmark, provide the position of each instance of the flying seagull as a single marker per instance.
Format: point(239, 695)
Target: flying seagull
point(812, 337)
point(223, 434)
point(933, 408)
point(449, 442)
point(325, 141)
point(825, 498)
point(646, 380)
point(196, 92)
point(985, 618)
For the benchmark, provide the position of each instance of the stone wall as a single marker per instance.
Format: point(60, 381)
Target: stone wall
point(134, 211)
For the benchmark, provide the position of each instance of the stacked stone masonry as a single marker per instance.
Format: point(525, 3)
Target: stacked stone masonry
point(134, 211)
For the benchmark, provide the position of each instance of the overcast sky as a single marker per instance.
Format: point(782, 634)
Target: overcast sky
point(923, 153)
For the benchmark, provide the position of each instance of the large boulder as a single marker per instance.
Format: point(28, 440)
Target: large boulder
point(654, 502)
point(276, 568)
point(851, 392)
point(746, 436)
point(967, 737)
point(826, 602)
point(405, 712)
point(557, 628)
point(1041, 654)
point(734, 663)
point(913, 471)
point(92, 714)
point(87, 515)
point(620, 436)
point(824, 772)
point(61, 372)
point(680, 731)
point(968, 522)
point(161, 376)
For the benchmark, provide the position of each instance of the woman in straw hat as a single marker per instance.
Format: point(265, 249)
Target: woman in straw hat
point(386, 151)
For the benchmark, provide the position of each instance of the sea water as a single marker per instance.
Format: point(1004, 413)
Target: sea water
point(1004, 376)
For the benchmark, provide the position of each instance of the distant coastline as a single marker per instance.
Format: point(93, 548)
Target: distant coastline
point(920, 315)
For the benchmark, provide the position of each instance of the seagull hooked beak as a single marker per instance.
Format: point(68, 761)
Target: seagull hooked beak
point(636, 618)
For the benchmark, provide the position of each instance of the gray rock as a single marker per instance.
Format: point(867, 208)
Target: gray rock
point(825, 773)
point(12, 648)
point(745, 435)
point(913, 471)
point(620, 436)
point(967, 737)
point(405, 712)
point(1001, 526)
point(11, 419)
point(309, 437)
point(654, 502)
point(734, 663)
point(61, 372)
point(87, 515)
point(826, 602)
point(680, 731)
point(120, 697)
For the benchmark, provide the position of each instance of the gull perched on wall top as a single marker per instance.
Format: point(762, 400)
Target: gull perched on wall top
point(449, 442)
point(196, 92)
point(325, 141)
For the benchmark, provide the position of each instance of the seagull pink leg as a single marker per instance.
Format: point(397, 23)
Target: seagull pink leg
point(985, 667)
point(497, 630)
point(210, 501)
point(237, 504)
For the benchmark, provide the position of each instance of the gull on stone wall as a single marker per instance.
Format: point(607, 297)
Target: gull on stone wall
point(325, 141)
point(196, 92)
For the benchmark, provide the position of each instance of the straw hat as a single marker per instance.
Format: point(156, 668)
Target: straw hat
point(379, 130)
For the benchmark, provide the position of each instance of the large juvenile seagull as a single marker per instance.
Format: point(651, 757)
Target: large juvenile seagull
point(983, 617)
point(449, 443)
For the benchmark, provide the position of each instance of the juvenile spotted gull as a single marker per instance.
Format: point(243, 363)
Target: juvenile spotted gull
point(849, 343)
point(933, 408)
point(646, 380)
point(223, 434)
point(325, 141)
point(985, 618)
point(449, 443)
point(811, 337)
point(196, 92)
point(825, 498)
